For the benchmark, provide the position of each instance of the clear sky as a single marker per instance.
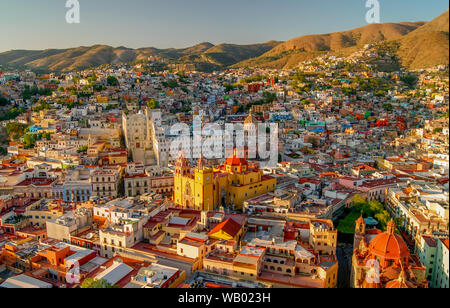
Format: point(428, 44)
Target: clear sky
point(41, 24)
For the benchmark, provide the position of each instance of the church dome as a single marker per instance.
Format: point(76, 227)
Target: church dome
point(389, 245)
point(235, 161)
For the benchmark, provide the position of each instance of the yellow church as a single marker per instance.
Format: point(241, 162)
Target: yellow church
point(207, 189)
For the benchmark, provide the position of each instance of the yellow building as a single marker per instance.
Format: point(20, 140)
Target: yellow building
point(102, 99)
point(41, 211)
point(230, 185)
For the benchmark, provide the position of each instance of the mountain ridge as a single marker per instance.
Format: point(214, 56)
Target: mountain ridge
point(420, 45)
point(83, 57)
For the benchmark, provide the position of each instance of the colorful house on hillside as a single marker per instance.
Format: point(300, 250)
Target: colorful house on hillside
point(34, 128)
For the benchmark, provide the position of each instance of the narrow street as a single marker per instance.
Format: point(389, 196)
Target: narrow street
point(344, 254)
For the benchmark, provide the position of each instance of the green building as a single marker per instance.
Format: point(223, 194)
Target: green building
point(433, 253)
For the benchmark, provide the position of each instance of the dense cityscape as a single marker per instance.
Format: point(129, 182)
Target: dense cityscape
point(92, 194)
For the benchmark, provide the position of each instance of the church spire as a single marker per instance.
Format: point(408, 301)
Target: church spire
point(200, 164)
point(391, 227)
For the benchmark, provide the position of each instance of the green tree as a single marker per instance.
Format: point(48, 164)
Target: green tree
point(91, 283)
point(388, 107)
point(3, 101)
point(98, 87)
point(358, 200)
point(82, 149)
point(15, 128)
point(383, 218)
point(112, 81)
point(171, 84)
point(29, 140)
point(410, 80)
point(269, 97)
point(47, 136)
point(153, 104)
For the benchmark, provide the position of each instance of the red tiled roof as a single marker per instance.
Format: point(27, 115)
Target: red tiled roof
point(309, 180)
point(445, 242)
point(228, 226)
point(430, 241)
point(36, 182)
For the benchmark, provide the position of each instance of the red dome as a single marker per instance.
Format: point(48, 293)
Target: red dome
point(389, 245)
point(235, 161)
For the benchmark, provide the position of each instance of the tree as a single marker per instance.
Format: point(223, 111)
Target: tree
point(358, 200)
point(228, 87)
point(3, 101)
point(388, 107)
point(153, 104)
point(98, 87)
point(47, 136)
point(172, 84)
point(112, 81)
point(92, 79)
point(375, 207)
point(269, 97)
point(91, 283)
point(82, 149)
point(383, 218)
point(15, 128)
point(410, 80)
point(29, 140)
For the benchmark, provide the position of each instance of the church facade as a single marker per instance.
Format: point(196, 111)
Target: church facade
point(383, 260)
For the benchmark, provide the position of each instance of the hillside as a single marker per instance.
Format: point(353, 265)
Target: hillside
point(427, 46)
point(205, 55)
point(288, 54)
point(418, 45)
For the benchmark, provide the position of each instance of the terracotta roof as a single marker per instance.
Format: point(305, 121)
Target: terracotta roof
point(445, 242)
point(228, 226)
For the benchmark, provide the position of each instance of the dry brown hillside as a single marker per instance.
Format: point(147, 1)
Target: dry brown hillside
point(61, 60)
point(340, 40)
point(302, 48)
point(427, 46)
